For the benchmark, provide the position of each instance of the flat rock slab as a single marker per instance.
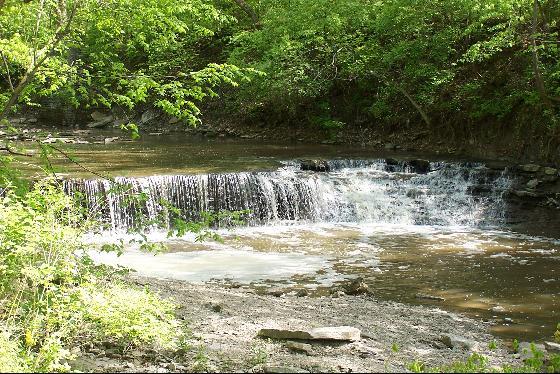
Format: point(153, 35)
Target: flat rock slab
point(552, 347)
point(339, 333)
point(454, 341)
point(283, 369)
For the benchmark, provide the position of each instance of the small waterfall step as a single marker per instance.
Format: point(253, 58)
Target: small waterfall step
point(415, 192)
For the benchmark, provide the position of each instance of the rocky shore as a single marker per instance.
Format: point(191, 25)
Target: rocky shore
point(227, 334)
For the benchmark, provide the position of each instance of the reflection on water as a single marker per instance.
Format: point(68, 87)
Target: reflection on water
point(489, 274)
point(187, 154)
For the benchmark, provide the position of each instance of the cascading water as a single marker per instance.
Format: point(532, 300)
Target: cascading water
point(358, 191)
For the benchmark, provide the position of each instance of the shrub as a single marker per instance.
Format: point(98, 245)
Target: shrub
point(53, 297)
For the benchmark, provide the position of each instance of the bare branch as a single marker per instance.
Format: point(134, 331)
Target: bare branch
point(536, 70)
point(40, 58)
point(10, 150)
point(7, 70)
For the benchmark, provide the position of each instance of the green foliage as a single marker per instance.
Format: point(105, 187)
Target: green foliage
point(361, 56)
point(259, 355)
point(477, 363)
point(515, 345)
point(129, 316)
point(52, 298)
point(121, 53)
point(10, 361)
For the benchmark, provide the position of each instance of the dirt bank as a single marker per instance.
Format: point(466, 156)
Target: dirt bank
point(225, 323)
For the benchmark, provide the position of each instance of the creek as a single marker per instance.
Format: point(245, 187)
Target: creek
point(439, 229)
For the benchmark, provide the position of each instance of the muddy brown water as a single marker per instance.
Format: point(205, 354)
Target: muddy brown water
point(493, 274)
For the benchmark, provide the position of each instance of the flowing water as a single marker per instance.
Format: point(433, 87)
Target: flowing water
point(437, 229)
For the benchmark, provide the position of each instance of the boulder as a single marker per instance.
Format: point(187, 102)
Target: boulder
point(173, 120)
point(147, 116)
point(455, 341)
point(339, 333)
point(99, 116)
point(529, 168)
point(100, 120)
point(420, 166)
point(315, 165)
point(552, 347)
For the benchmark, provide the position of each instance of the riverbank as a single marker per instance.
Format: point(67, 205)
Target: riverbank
point(225, 323)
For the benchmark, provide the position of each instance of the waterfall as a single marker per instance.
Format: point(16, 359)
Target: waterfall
point(358, 191)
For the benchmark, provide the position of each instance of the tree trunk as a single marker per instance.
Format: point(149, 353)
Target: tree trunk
point(38, 60)
point(415, 105)
point(539, 82)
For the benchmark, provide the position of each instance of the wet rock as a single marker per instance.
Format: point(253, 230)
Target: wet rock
point(315, 165)
point(529, 168)
point(533, 183)
point(340, 333)
point(390, 146)
point(508, 320)
point(275, 292)
point(59, 140)
point(173, 120)
point(100, 120)
point(302, 292)
point(420, 166)
point(110, 140)
point(283, 369)
point(498, 309)
point(429, 297)
point(356, 287)
point(459, 342)
point(552, 347)
point(98, 116)
point(526, 350)
point(550, 171)
point(118, 122)
point(524, 194)
point(480, 189)
point(300, 347)
point(147, 116)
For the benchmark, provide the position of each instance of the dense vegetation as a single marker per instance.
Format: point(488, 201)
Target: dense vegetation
point(455, 65)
